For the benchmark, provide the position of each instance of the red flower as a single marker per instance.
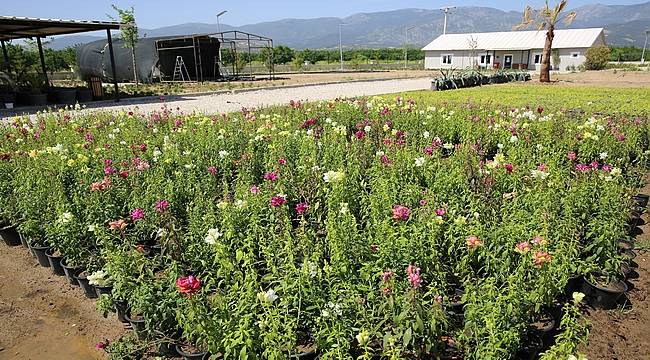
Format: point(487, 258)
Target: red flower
point(188, 285)
point(278, 200)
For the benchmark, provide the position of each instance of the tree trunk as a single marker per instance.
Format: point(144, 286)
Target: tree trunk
point(135, 72)
point(545, 71)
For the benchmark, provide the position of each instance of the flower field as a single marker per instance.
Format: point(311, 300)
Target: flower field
point(370, 228)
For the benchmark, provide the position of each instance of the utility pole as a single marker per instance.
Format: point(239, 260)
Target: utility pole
point(406, 45)
point(219, 30)
point(341, 44)
point(644, 46)
point(446, 11)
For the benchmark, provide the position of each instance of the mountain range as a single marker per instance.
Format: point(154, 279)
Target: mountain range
point(624, 24)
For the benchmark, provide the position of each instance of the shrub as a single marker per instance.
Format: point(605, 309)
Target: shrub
point(597, 57)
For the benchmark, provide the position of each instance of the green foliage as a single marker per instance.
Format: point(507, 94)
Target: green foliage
point(626, 53)
point(128, 31)
point(597, 57)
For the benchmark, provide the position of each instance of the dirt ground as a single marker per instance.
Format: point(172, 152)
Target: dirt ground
point(605, 78)
point(43, 317)
point(624, 334)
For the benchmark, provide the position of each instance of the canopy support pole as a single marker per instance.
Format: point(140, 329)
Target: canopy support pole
point(42, 56)
point(112, 56)
point(6, 57)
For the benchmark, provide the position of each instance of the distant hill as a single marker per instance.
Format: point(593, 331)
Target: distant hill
point(624, 24)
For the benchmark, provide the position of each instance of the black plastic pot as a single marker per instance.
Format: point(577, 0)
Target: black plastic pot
point(10, 235)
point(603, 296)
point(310, 355)
point(545, 327)
point(625, 245)
point(138, 325)
point(531, 346)
point(121, 307)
point(195, 356)
point(66, 96)
point(84, 95)
point(628, 254)
point(641, 199)
point(55, 262)
point(39, 252)
point(37, 99)
point(103, 290)
point(71, 272)
point(23, 240)
point(88, 289)
point(572, 285)
point(166, 345)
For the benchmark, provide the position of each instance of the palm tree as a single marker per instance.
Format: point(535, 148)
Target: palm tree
point(546, 18)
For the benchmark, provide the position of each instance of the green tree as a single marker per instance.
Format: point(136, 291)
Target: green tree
point(546, 18)
point(282, 54)
point(129, 34)
point(597, 57)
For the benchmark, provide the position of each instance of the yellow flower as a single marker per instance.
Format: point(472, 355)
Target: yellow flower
point(33, 153)
point(71, 162)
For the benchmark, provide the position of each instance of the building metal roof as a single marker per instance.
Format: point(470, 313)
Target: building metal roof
point(517, 40)
point(14, 27)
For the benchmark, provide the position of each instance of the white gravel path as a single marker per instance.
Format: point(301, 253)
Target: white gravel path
point(228, 102)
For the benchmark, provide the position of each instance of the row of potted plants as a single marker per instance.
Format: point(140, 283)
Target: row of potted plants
point(356, 228)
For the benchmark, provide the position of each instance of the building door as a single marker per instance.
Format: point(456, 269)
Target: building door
point(507, 61)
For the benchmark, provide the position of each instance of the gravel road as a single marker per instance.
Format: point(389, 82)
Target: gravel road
point(228, 102)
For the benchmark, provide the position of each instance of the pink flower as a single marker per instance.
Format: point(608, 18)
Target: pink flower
point(162, 206)
point(606, 168)
point(582, 167)
point(620, 137)
point(102, 344)
point(428, 150)
point(271, 176)
point(89, 137)
point(212, 170)
point(414, 278)
point(282, 161)
point(385, 160)
point(141, 165)
point(109, 170)
point(188, 285)
point(438, 299)
point(255, 190)
point(423, 202)
point(522, 247)
point(137, 214)
point(386, 275)
point(386, 291)
point(360, 135)
point(143, 147)
point(473, 242)
point(571, 155)
point(401, 212)
point(108, 162)
point(441, 211)
point(594, 165)
point(301, 208)
point(538, 240)
point(509, 167)
point(278, 200)
point(541, 257)
point(124, 174)
point(542, 167)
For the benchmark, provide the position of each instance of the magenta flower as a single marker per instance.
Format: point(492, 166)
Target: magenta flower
point(401, 212)
point(441, 212)
point(606, 168)
point(278, 200)
point(212, 170)
point(414, 278)
point(271, 176)
point(385, 160)
point(594, 165)
point(137, 214)
point(301, 208)
point(282, 161)
point(109, 170)
point(386, 276)
point(102, 344)
point(582, 167)
point(423, 202)
point(255, 190)
point(162, 206)
point(571, 155)
point(108, 162)
point(360, 135)
point(428, 150)
point(509, 167)
point(542, 167)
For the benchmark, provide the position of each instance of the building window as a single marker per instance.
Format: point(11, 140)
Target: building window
point(446, 59)
point(486, 59)
point(575, 54)
point(538, 59)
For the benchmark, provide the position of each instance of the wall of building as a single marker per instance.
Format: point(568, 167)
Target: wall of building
point(462, 60)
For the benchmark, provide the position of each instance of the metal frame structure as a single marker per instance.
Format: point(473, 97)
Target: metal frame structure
point(237, 39)
point(12, 28)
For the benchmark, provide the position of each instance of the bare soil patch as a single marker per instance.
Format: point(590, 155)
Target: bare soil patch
point(604, 78)
point(44, 317)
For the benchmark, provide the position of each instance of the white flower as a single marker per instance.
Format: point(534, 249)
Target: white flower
point(66, 217)
point(212, 236)
point(540, 147)
point(223, 154)
point(19, 140)
point(240, 203)
point(312, 268)
point(344, 208)
point(577, 297)
point(269, 296)
point(333, 176)
point(539, 174)
point(111, 136)
point(116, 131)
point(363, 338)
point(99, 278)
point(379, 153)
point(367, 128)
point(425, 135)
point(419, 161)
point(500, 146)
point(91, 228)
point(157, 153)
point(514, 139)
point(448, 146)
point(615, 171)
point(603, 155)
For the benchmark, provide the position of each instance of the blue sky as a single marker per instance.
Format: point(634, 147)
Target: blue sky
point(158, 13)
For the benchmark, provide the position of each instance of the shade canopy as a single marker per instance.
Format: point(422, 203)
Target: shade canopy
point(12, 27)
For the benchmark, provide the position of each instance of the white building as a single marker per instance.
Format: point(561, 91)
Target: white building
point(510, 49)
